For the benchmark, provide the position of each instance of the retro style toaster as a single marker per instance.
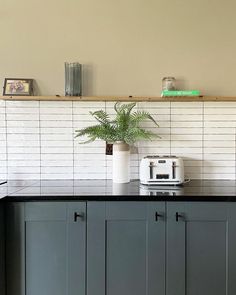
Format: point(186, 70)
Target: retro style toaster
point(161, 170)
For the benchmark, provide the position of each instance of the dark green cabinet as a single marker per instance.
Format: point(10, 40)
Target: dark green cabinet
point(126, 248)
point(201, 243)
point(113, 248)
point(52, 259)
point(2, 250)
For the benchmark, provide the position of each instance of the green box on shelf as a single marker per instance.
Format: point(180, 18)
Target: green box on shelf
point(180, 93)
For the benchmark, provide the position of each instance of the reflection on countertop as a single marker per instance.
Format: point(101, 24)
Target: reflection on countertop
point(102, 190)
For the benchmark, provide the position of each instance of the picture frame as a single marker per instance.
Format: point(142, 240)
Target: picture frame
point(18, 87)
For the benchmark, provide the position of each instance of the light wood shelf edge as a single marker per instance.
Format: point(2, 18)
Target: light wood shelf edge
point(118, 98)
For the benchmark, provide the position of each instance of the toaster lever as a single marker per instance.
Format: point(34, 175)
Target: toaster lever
point(151, 169)
point(173, 170)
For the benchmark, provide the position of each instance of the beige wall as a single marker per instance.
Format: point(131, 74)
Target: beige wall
point(127, 46)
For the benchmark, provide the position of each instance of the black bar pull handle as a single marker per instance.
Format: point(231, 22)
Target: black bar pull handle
point(77, 215)
point(157, 216)
point(178, 216)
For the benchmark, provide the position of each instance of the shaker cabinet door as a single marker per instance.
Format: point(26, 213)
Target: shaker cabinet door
point(201, 243)
point(55, 248)
point(52, 239)
point(126, 248)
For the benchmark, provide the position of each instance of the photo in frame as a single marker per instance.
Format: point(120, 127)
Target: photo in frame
point(18, 87)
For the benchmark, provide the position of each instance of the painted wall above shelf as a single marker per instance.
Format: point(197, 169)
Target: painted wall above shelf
point(119, 98)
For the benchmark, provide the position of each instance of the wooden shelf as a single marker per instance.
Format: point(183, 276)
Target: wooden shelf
point(119, 98)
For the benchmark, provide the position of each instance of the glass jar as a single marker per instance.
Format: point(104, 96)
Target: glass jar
point(73, 79)
point(168, 83)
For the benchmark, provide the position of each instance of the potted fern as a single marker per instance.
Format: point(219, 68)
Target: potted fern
point(123, 131)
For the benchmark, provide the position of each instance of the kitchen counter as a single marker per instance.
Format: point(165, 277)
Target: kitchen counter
point(104, 190)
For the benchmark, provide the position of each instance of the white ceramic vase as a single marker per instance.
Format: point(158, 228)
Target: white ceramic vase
point(121, 162)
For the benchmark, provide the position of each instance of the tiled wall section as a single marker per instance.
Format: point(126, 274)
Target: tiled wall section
point(37, 139)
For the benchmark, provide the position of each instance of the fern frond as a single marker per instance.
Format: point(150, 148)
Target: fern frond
point(126, 108)
point(140, 116)
point(101, 116)
point(138, 134)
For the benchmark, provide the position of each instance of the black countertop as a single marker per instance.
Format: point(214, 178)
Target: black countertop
point(104, 190)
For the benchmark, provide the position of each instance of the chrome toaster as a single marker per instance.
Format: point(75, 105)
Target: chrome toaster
point(161, 170)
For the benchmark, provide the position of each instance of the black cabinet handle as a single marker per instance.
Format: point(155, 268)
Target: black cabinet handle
point(157, 215)
point(178, 216)
point(77, 215)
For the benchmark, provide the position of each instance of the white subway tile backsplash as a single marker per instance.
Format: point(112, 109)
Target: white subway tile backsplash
point(218, 117)
point(23, 124)
point(220, 111)
point(38, 139)
point(55, 117)
point(218, 130)
point(186, 111)
point(21, 117)
point(23, 150)
point(189, 157)
point(219, 176)
point(56, 150)
point(186, 143)
point(23, 163)
point(187, 125)
point(219, 104)
point(186, 118)
point(186, 130)
point(90, 104)
point(25, 176)
point(185, 137)
point(21, 143)
point(57, 157)
point(22, 110)
point(3, 156)
point(55, 130)
point(219, 143)
point(154, 105)
point(49, 176)
point(21, 104)
point(192, 104)
point(216, 169)
point(55, 104)
point(22, 130)
point(155, 144)
point(55, 111)
point(90, 157)
point(219, 157)
point(220, 124)
point(56, 163)
point(23, 169)
point(186, 150)
point(192, 163)
point(218, 163)
point(56, 124)
point(219, 137)
point(23, 137)
point(56, 143)
point(25, 157)
point(56, 170)
point(220, 150)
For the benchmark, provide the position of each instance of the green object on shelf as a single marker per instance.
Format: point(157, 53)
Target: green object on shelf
point(180, 93)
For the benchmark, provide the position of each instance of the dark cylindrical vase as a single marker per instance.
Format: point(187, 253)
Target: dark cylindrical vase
point(73, 79)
